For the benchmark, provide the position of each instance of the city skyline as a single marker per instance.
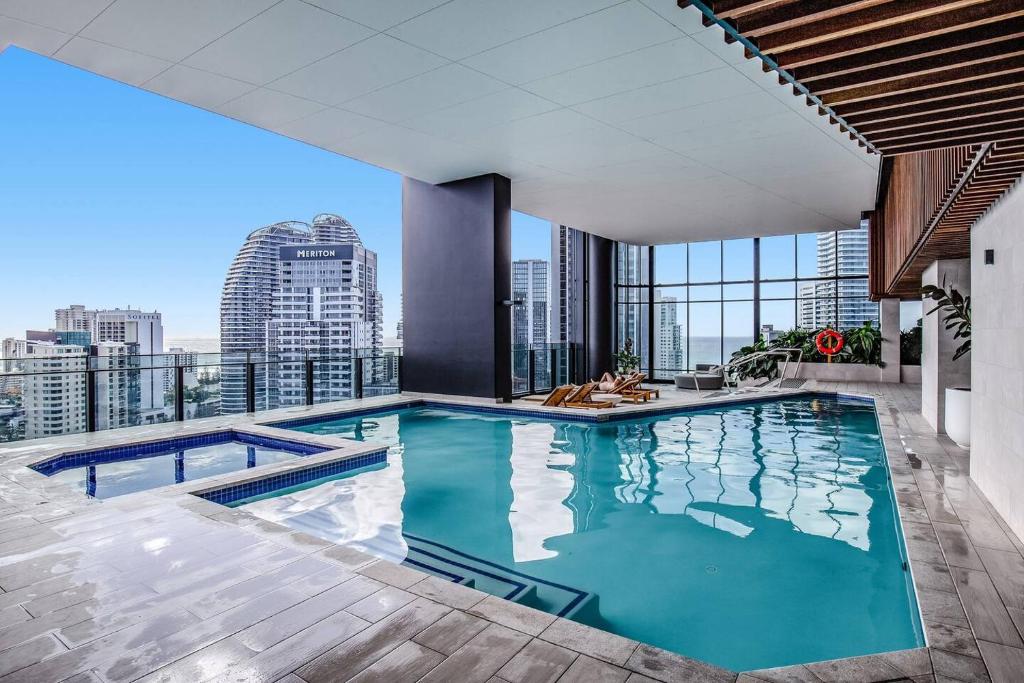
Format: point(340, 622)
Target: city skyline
point(205, 178)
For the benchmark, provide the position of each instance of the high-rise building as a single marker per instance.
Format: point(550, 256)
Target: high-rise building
point(668, 340)
point(325, 305)
point(530, 291)
point(566, 278)
point(312, 312)
point(53, 389)
point(119, 385)
point(75, 317)
point(245, 306)
point(840, 254)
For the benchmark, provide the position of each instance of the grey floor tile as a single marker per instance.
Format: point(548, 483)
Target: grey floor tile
point(957, 639)
point(451, 632)
point(1006, 569)
point(378, 605)
point(672, 668)
point(406, 663)
point(586, 669)
point(784, 674)
point(392, 574)
point(447, 593)
point(288, 655)
point(371, 644)
point(989, 618)
point(856, 670)
point(942, 607)
point(958, 667)
point(957, 547)
point(521, 618)
point(481, 657)
point(1005, 664)
point(538, 662)
point(932, 576)
point(202, 664)
point(29, 653)
point(301, 615)
point(599, 644)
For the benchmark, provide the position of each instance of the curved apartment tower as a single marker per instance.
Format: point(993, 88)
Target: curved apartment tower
point(329, 228)
point(282, 303)
point(245, 307)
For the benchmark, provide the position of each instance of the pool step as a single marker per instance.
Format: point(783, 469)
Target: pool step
point(490, 577)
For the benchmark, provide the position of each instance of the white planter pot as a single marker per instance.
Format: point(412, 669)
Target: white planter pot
point(958, 416)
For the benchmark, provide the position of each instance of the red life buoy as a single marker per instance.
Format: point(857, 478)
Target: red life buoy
point(829, 350)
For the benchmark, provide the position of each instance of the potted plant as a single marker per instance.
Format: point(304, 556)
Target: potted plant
point(957, 310)
point(625, 360)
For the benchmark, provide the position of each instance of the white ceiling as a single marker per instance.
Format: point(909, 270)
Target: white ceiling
point(627, 119)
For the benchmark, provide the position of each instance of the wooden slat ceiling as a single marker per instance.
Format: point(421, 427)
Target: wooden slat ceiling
point(930, 202)
point(935, 86)
point(901, 76)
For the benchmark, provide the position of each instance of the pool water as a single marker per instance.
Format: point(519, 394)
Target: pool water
point(749, 536)
point(109, 473)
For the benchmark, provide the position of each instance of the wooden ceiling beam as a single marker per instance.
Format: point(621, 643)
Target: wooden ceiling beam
point(955, 128)
point(931, 68)
point(954, 76)
point(976, 37)
point(732, 9)
point(953, 142)
point(809, 11)
point(944, 108)
point(932, 94)
point(964, 116)
point(972, 16)
point(890, 15)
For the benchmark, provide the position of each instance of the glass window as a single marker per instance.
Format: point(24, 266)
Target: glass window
point(738, 292)
point(669, 294)
point(632, 264)
point(705, 342)
point(738, 260)
point(807, 254)
point(705, 262)
point(778, 290)
point(781, 315)
point(705, 293)
point(737, 326)
point(778, 256)
point(670, 264)
point(669, 338)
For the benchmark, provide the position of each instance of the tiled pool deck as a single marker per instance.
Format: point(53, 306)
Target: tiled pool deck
point(165, 585)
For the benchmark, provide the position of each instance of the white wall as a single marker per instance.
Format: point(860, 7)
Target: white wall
point(938, 369)
point(997, 359)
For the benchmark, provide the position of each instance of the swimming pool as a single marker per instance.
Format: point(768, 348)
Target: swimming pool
point(109, 472)
point(749, 535)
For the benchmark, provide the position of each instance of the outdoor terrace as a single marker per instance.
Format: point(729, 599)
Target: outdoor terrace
point(164, 585)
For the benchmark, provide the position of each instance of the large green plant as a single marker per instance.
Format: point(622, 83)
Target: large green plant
point(864, 344)
point(957, 310)
point(625, 360)
point(910, 345)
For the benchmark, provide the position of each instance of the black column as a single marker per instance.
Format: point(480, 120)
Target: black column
point(456, 274)
point(599, 303)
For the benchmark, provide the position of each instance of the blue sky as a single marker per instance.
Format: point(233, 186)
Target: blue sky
point(112, 196)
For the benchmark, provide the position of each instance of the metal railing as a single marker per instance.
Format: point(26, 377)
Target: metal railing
point(541, 367)
point(43, 396)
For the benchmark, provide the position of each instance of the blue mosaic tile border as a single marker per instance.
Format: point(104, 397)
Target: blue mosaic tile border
point(99, 456)
point(362, 412)
point(235, 492)
point(541, 414)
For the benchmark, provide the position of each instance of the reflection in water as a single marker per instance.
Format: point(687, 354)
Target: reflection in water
point(541, 485)
point(760, 521)
point(703, 465)
point(363, 511)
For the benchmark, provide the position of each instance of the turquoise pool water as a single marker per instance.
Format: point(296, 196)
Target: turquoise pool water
point(749, 536)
